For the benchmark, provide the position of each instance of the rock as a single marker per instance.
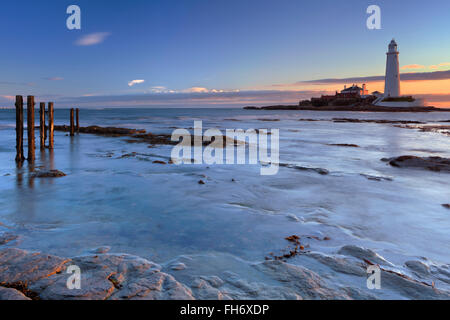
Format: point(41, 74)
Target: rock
point(23, 266)
point(344, 145)
point(446, 205)
point(418, 267)
point(376, 178)
point(201, 182)
point(305, 283)
point(411, 288)
point(362, 254)
point(428, 163)
point(6, 237)
point(11, 294)
point(338, 264)
point(101, 250)
point(178, 266)
point(293, 217)
point(104, 276)
point(48, 174)
point(320, 171)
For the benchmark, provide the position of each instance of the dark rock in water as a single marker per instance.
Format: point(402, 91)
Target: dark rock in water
point(201, 182)
point(6, 237)
point(48, 174)
point(343, 145)
point(446, 205)
point(352, 120)
point(320, 171)
point(107, 131)
point(376, 178)
point(12, 294)
point(429, 163)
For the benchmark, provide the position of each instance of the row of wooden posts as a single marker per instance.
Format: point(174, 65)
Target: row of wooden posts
point(42, 127)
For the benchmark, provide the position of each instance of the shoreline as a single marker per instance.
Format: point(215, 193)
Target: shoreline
point(368, 108)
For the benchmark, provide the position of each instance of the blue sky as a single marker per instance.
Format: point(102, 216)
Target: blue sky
point(208, 45)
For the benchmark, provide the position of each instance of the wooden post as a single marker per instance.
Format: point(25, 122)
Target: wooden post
point(30, 128)
point(51, 125)
point(42, 124)
point(78, 120)
point(72, 125)
point(19, 129)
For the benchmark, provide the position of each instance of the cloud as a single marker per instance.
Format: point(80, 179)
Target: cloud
point(440, 65)
point(53, 78)
point(412, 66)
point(92, 39)
point(412, 76)
point(183, 98)
point(133, 82)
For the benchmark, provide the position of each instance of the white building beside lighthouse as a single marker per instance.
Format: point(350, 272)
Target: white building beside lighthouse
point(392, 81)
point(391, 96)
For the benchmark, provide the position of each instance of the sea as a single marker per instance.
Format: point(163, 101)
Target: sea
point(114, 194)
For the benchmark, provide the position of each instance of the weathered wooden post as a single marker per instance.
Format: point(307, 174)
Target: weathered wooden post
point(51, 125)
point(72, 125)
point(30, 127)
point(42, 124)
point(19, 129)
point(78, 120)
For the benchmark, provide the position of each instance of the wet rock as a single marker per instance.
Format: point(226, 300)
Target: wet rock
point(338, 264)
point(343, 145)
point(428, 163)
point(11, 294)
point(23, 266)
point(293, 217)
point(101, 250)
point(103, 276)
point(352, 120)
point(304, 282)
point(418, 267)
point(443, 129)
point(112, 276)
point(48, 174)
point(6, 237)
point(178, 266)
point(362, 254)
point(201, 182)
point(320, 171)
point(411, 288)
point(105, 131)
point(446, 205)
point(376, 178)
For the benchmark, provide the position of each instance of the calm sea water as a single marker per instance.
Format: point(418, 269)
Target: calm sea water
point(161, 212)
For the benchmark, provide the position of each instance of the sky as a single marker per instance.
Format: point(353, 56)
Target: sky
point(233, 53)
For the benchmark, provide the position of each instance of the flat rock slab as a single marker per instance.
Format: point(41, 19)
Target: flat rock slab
point(6, 237)
point(429, 163)
point(11, 294)
point(48, 174)
point(104, 276)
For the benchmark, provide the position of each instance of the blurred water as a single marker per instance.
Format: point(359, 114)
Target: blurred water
point(160, 212)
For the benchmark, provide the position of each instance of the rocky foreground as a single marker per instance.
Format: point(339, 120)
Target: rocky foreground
point(26, 275)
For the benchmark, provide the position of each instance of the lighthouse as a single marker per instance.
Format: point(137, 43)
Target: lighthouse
point(392, 81)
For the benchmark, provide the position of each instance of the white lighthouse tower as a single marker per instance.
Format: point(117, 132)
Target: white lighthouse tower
point(392, 81)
